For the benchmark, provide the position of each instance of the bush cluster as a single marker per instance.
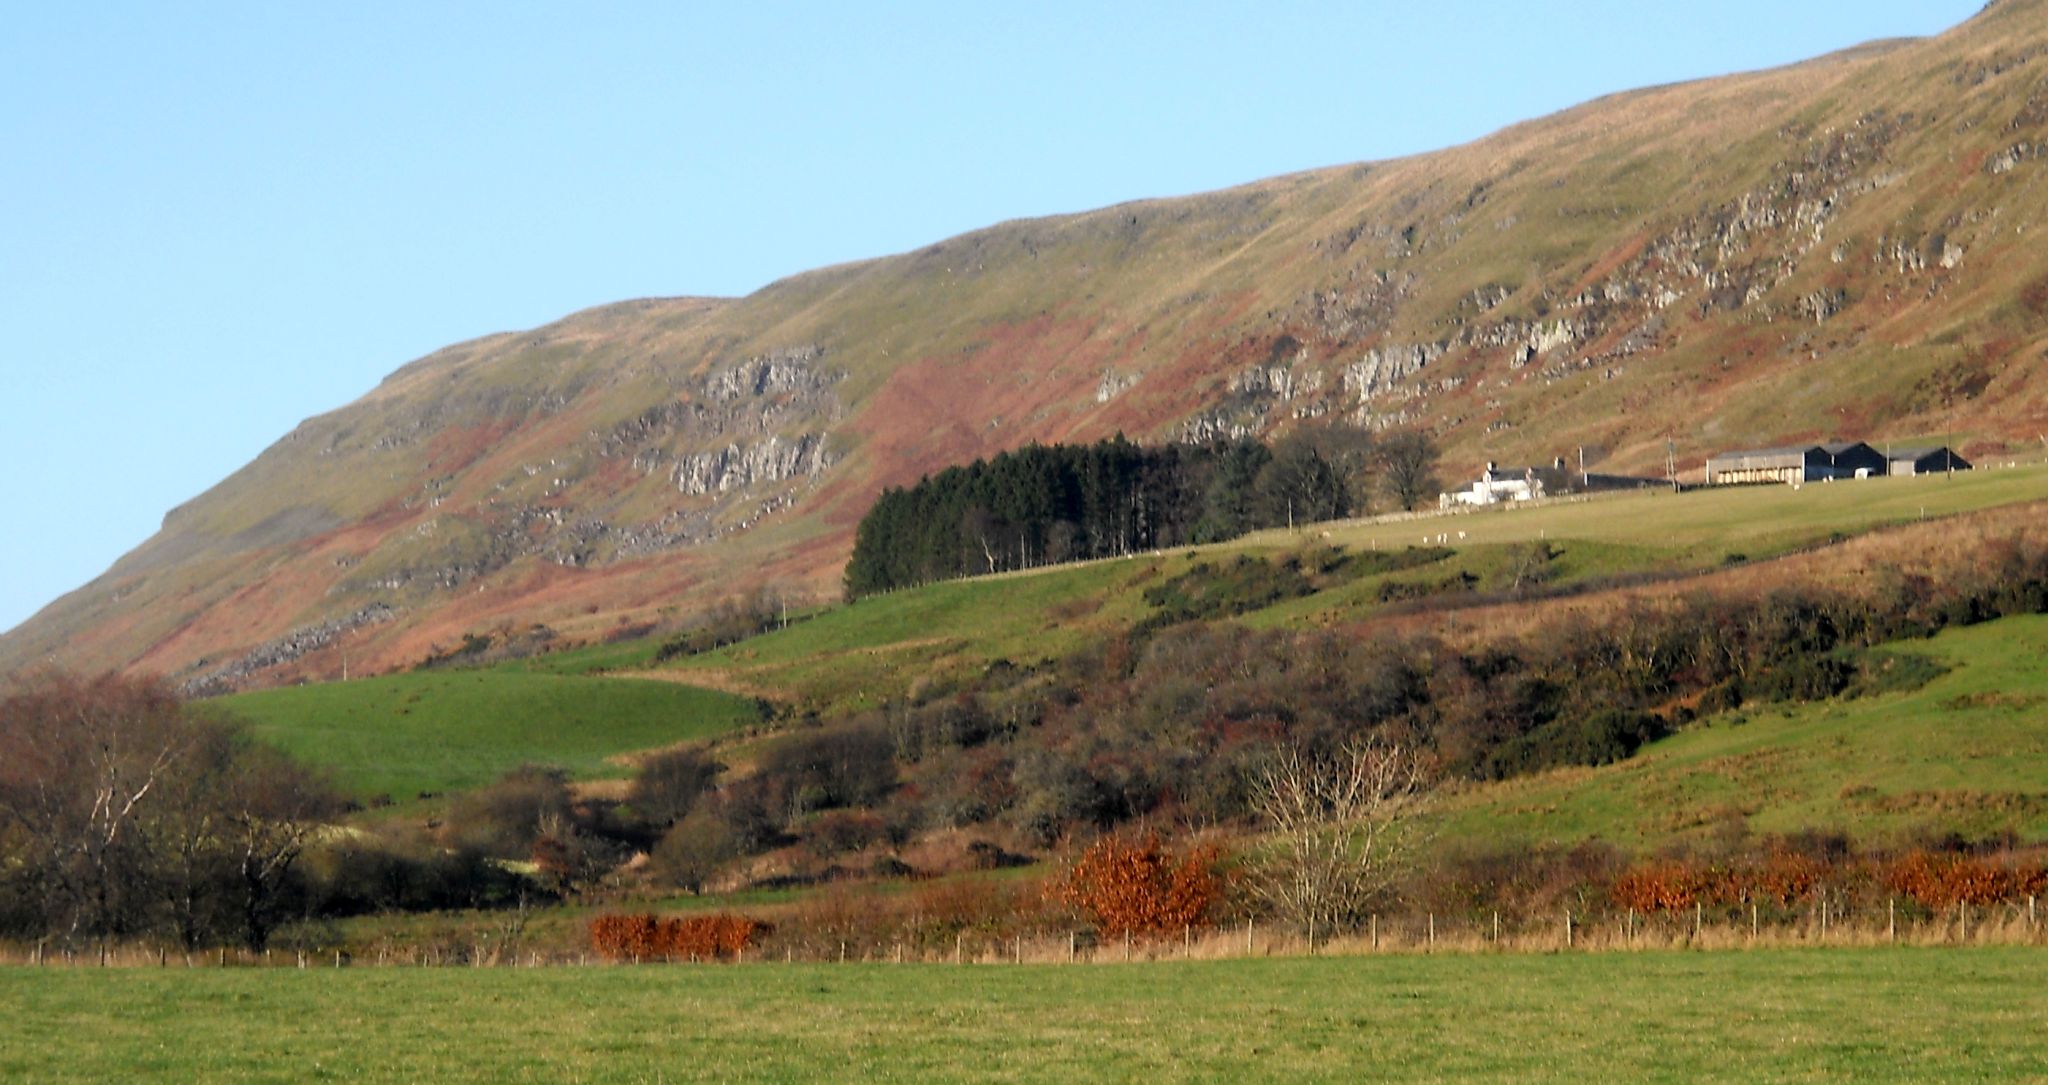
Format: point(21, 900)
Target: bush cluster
point(689, 938)
point(1136, 886)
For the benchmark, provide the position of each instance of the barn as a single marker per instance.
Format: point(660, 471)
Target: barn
point(1801, 463)
point(1926, 461)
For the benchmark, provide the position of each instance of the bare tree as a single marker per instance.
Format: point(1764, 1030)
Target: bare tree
point(273, 809)
point(78, 760)
point(1345, 825)
point(1407, 463)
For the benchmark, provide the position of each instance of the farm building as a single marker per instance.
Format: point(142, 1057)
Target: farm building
point(1808, 463)
point(1498, 485)
point(1926, 461)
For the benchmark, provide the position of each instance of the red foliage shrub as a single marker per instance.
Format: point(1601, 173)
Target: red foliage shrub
point(1943, 881)
point(648, 937)
point(1668, 885)
point(1785, 877)
point(1137, 886)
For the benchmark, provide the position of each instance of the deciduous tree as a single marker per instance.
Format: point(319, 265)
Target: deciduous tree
point(1344, 824)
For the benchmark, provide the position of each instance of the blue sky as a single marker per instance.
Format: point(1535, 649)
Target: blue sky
point(219, 219)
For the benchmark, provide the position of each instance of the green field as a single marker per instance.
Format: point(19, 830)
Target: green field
point(440, 731)
point(856, 655)
point(1706, 525)
point(1809, 1016)
point(1968, 752)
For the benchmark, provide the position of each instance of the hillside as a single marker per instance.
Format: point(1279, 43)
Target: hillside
point(1959, 754)
point(1838, 247)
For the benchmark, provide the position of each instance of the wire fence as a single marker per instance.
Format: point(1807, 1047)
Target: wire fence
point(1895, 923)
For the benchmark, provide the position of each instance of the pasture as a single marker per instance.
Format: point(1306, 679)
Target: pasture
point(1784, 1015)
point(438, 731)
point(1966, 753)
point(852, 656)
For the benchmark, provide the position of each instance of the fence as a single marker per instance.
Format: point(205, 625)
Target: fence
point(1821, 924)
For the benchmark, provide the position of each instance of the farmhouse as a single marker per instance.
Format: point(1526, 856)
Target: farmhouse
point(1926, 461)
point(1807, 463)
point(1498, 485)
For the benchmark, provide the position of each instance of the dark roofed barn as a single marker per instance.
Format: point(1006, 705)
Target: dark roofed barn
point(1809, 463)
point(1926, 461)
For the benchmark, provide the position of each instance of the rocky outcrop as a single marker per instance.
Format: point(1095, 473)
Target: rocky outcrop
point(294, 645)
point(737, 466)
point(1114, 384)
point(1382, 368)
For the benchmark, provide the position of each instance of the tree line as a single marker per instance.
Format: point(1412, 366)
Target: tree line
point(1044, 504)
point(125, 813)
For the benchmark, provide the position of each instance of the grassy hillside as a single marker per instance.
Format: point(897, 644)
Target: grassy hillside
point(878, 647)
point(1967, 753)
point(406, 735)
point(1646, 1017)
point(1839, 247)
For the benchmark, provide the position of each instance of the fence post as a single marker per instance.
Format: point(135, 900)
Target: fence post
point(1070, 947)
point(1567, 928)
point(1496, 926)
point(1187, 939)
point(1375, 932)
point(1891, 920)
point(958, 936)
point(1127, 947)
point(1752, 921)
point(1247, 937)
point(1432, 930)
point(1699, 919)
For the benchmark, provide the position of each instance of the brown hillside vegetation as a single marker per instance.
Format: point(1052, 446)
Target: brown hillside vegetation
point(1847, 246)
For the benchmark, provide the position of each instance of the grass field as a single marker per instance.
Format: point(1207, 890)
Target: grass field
point(854, 655)
point(1706, 525)
point(1968, 752)
point(1810, 1016)
point(441, 731)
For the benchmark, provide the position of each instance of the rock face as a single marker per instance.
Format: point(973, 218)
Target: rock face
point(734, 467)
point(292, 646)
point(1652, 269)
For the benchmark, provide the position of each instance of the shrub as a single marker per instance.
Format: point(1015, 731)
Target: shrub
point(692, 853)
point(847, 767)
point(669, 784)
point(696, 938)
point(504, 819)
point(1943, 881)
point(1671, 885)
point(1136, 886)
point(1599, 739)
point(839, 831)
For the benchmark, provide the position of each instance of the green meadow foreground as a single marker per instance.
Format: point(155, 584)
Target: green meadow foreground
point(1861, 1016)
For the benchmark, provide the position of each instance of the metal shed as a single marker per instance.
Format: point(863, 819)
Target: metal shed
point(1926, 461)
point(1806, 463)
